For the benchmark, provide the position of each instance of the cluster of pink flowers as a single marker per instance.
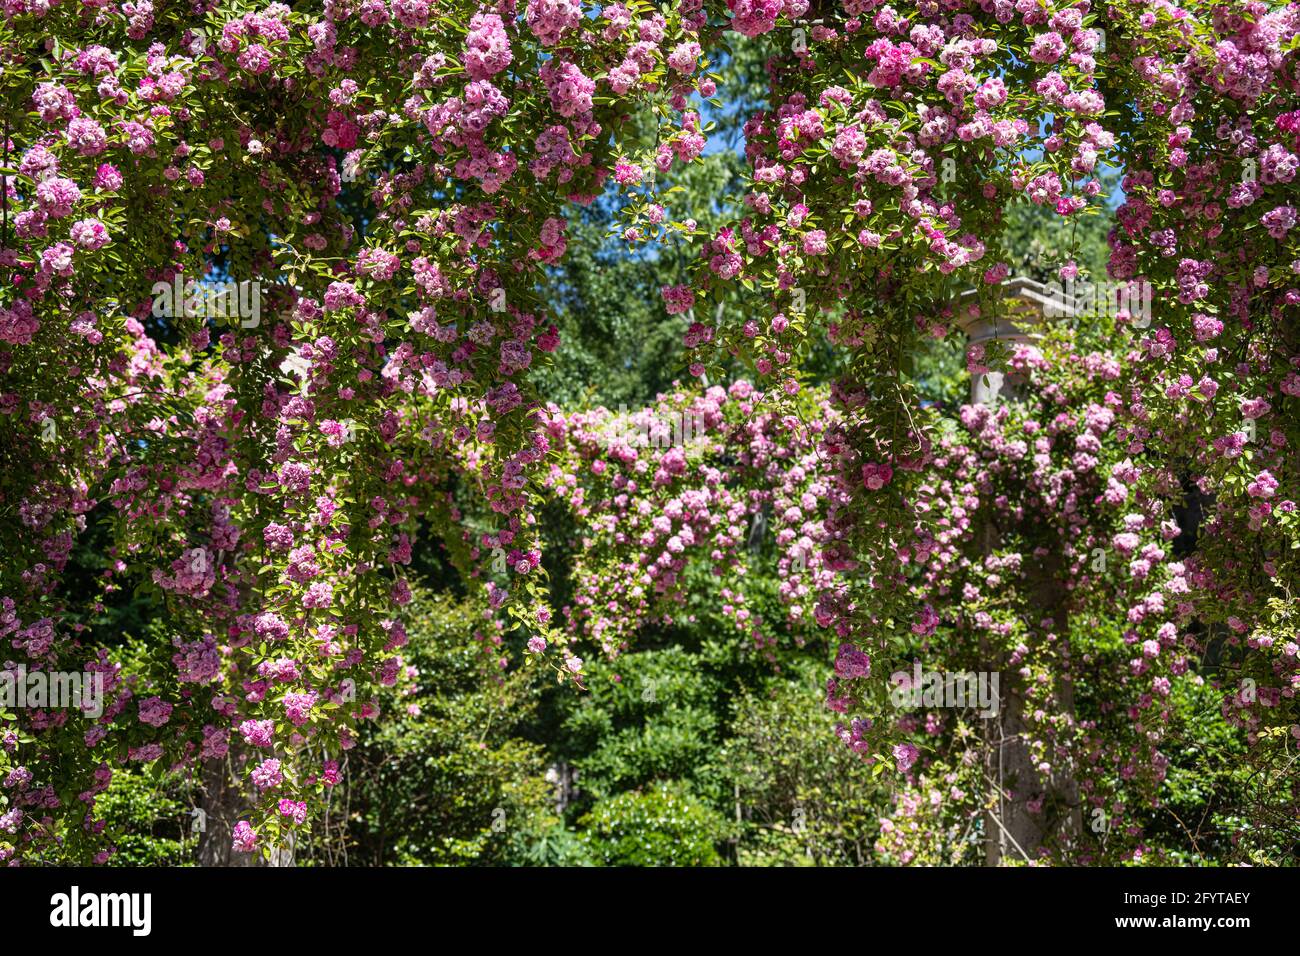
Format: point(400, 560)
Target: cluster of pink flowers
point(657, 492)
point(551, 19)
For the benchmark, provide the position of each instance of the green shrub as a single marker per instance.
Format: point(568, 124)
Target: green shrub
point(802, 795)
point(665, 825)
point(452, 782)
point(147, 819)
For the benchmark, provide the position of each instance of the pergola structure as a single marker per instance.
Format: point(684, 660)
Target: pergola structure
point(1023, 306)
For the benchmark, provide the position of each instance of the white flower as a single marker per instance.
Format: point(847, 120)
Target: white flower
point(295, 364)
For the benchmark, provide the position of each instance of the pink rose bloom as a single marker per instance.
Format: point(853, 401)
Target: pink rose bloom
point(258, 733)
point(267, 774)
point(678, 298)
point(876, 476)
point(86, 136)
point(814, 243)
point(245, 838)
point(684, 57)
point(1047, 47)
point(905, 755)
point(108, 178)
point(852, 663)
point(1264, 486)
point(487, 48)
point(155, 712)
point(89, 234)
point(295, 810)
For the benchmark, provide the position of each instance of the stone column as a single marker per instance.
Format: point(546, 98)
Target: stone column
point(1011, 831)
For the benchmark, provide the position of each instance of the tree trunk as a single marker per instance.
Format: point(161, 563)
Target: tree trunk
point(224, 805)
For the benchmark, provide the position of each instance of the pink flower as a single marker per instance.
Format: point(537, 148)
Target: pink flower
point(57, 259)
point(905, 756)
point(295, 477)
point(255, 58)
point(814, 243)
point(145, 754)
point(320, 594)
point(107, 178)
point(1279, 221)
point(89, 234)
point(487, 47)
point(267, 775)
point(684, 57)
point(278, 537)
point(1047, 47)
point(678, 298)
point(295, 810)
point(258, 733)
point(245, 838)
point(57, 196)
point(876, 476)
point(1264, 485)
point(754, 17)
point(550, 19)
point(992, 93)
point(852, 663)
point(54, 101)
point(342, 295)
point(216, 743)
point(155, 712)
point(86, 136)
point(270, 626)
point(927, 622)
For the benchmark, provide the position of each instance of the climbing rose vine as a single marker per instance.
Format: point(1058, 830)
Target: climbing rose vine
point(379, 188)
point(275, 282)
